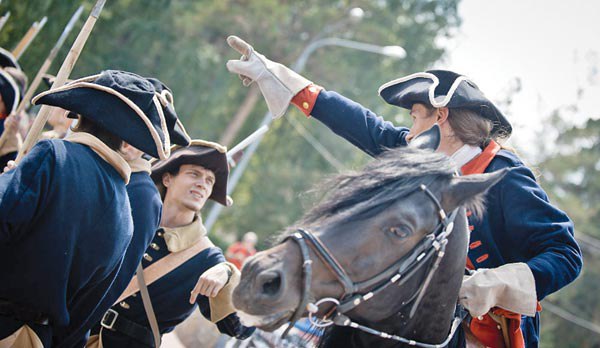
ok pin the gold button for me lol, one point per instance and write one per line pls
(312, 89)
(499, 327)
(124, 304)
(154, 246)
(147, 257)
(305, 105)
(160, 233)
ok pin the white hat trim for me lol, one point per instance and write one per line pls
(437, 103)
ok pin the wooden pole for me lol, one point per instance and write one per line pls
(24, 104)
(63, 74)
(4, 19)
(28, 38)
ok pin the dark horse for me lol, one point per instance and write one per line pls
(368, 222)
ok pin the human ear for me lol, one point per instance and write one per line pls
(442, 115)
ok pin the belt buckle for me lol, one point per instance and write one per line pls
(109, 319)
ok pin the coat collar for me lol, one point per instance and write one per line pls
(140, 165)
(112, 157)
(478, 164)
(181, 238)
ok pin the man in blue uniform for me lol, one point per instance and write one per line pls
(65, 217)
(523, 245)
(146, 208)
(186, 181)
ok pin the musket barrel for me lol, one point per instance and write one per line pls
(24, 104)
(62, 76)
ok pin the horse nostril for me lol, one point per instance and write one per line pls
(270, 283)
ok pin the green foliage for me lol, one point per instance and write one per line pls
(183, 43)
(570, 174)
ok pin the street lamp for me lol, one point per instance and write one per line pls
(298, 66)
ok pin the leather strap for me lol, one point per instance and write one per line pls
(165, 265)
(120, 324)
(148, 305)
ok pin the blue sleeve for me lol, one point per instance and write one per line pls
(358, 125)
(550, 248)
(24, 191)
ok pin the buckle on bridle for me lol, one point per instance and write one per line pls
(109, 319)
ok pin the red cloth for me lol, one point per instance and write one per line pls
(486, 330)
(240, 254)
(305, 99)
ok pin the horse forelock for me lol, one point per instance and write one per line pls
(391, 176)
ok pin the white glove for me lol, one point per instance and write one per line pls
(510, 287)
(278, 83)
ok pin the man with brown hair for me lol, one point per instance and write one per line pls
(190, 177)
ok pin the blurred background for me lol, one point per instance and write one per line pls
(538, 60)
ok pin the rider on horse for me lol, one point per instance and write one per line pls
(521, 250)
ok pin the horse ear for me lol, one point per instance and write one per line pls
(468, 190)
(427, 140)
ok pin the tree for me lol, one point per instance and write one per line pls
(183, 44)
(570, 174)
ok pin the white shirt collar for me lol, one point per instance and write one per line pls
(465, 154)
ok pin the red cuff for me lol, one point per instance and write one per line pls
(305, 99)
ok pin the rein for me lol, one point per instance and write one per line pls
(431, 247)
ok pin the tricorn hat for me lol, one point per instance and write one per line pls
(443, 88)
(7, 59)
(124, 103)
(177, 132)
(207, 154)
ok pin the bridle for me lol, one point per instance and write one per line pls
(431, 247)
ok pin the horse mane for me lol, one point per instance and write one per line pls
(394, 174)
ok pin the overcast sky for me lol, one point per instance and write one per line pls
(552, 46)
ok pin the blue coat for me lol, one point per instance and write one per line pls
(146, 208)
(170, 297)
(520, 224)
(64, 226)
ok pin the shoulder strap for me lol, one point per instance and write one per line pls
(165, 265)
(148, 305)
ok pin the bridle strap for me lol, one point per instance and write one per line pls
(330, 261)
(306, 279)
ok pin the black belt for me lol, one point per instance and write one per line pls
(22, 313)
(114, 322)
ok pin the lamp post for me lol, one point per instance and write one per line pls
(298, 66)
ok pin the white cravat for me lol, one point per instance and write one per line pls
(465, 154)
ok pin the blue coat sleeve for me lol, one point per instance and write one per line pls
(24, 191)
(547, 233)
(358, 125)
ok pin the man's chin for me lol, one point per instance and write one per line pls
(195, 206)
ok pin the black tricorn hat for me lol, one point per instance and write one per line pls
(207, 154)
(443, 88)
(7, 59)
(124, 103)
(10, 91)
(177, 132)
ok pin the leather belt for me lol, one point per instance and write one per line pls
(114, 322)
(22, 313)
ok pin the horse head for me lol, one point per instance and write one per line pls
(371, 222)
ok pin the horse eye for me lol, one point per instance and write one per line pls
(399, 232)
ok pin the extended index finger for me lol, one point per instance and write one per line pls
(239, 45)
